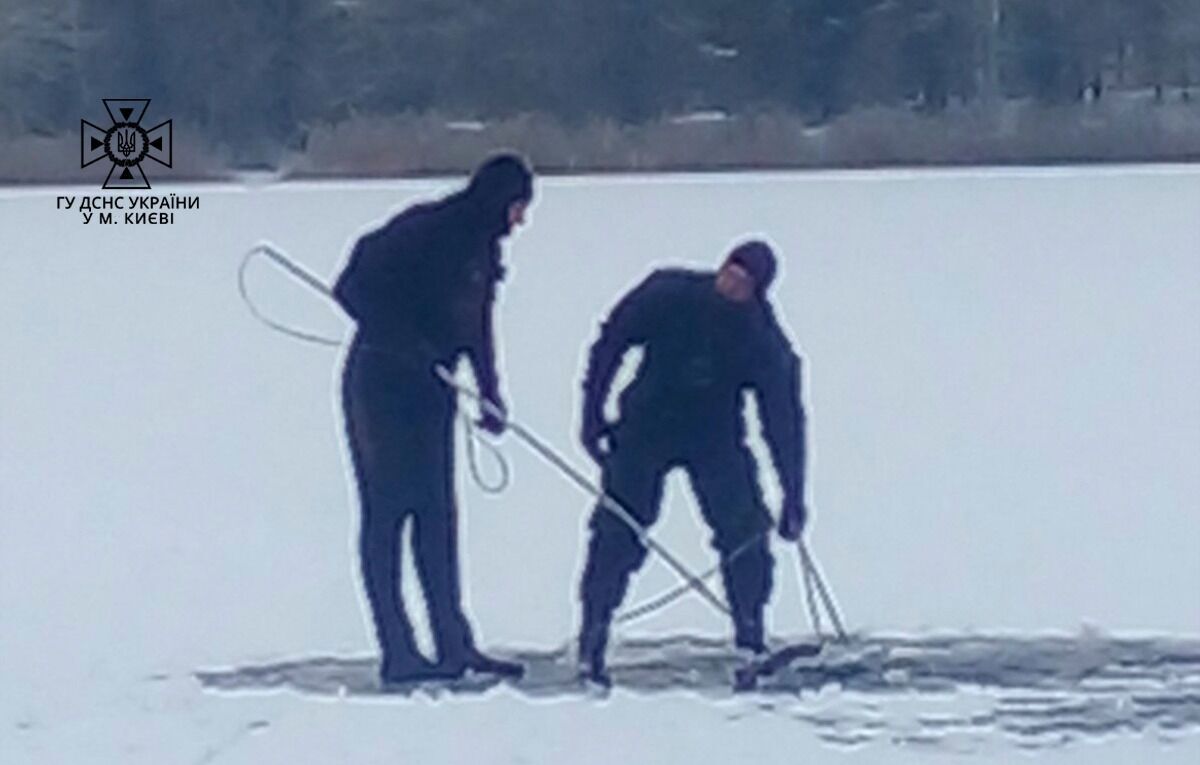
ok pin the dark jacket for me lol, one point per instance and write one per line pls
(423, 286)
(701, 351)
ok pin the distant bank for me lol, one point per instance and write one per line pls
(1129, 127)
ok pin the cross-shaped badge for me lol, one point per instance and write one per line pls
(126, 143)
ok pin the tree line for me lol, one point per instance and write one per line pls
(254, 76)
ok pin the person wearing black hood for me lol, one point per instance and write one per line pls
(706, 337)
(421, 290)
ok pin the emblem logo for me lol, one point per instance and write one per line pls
(125, 143)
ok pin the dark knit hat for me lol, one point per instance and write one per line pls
(758, 259)
(502, 180)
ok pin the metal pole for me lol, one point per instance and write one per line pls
(606, 500)
(535, 443)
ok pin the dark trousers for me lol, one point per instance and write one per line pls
(724, 478)
(399, 423)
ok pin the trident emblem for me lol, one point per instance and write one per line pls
(125, 144)
(126, 141)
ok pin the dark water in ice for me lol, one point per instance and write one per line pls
(950, 691)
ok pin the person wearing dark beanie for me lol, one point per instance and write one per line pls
(758, 259)
(707, 337)
(421, 290)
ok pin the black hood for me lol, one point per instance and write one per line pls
(500, 181)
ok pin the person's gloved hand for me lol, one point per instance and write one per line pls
(597, 438)
(792, 519)
(492, 421)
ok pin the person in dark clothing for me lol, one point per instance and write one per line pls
(706, 338)
(421, 290)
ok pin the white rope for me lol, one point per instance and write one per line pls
(659, 602)
(474, 441)
(810, 567)
(814, 612)
(266, 249)
(298, 272)
(607, 501)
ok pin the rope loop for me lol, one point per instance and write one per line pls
(269, 251)
(475, 440)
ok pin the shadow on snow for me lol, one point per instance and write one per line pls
(1036, 691)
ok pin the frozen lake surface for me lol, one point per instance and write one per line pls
(1001, 370)
(947, 692)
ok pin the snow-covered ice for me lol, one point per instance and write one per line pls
(946, 693)
(1001, 377)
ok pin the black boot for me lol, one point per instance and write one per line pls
(400, 667)
(477, 661)
(471, 658)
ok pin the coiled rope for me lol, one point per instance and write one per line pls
(473, 437)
